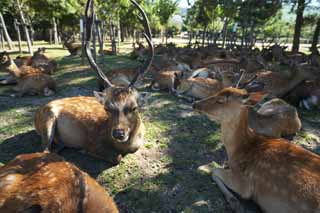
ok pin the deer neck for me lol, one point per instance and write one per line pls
(13, 69)
(235, 133)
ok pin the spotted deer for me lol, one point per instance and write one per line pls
(45, 182)
(199, 88)
(42, 62)
(107, 126)
(279, 84)
(73, 47)
(275, 118)
(29, 80)
(278, 175)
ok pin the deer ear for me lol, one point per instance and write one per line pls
(100, 97)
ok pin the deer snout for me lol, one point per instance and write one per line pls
(120, 135)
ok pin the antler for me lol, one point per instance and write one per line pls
(241, 77)
(148, 37)
(89, 21)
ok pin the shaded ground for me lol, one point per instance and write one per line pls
(160, 177)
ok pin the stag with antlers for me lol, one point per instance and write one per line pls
(107, 126)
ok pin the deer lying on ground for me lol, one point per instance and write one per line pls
(275, 118)
(166, 80)
(29, 80)
(23, 61)
(199, 88)
(278, 175)
(278, 84)
(42, 62)
(73, 47)
(43, 182)
(305, 95)
(107, 126)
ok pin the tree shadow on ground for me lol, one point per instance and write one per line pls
(30, 142)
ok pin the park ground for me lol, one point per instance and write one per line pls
(162, 176)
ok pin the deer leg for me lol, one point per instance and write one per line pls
(225, 181)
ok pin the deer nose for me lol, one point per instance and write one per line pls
(118, 134)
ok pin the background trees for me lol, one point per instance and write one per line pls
(222, 20)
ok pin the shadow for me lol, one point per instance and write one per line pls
(194, 141)
(30, 142)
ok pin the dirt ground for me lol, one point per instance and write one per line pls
(162, 176)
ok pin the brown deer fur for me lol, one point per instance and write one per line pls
(91, 123)
(73, 48)
(43, 182)
(29, 80)
(42, 62)
(275, 118)
(120, 77)
(166, 80)
(204, 87)
(278, 175)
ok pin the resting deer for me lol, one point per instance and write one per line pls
(278, 175)
(278, 84)
(107, 126)
(166, 80)
(73, 48)
(43, 182)
(275, 118)
(200, 88)
(42, 62)
(29, 80)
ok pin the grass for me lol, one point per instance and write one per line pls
(162, 176)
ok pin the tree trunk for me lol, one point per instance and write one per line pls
(23, 21)
(204, 35)
(17, 27)
(6, 34)
(55, 31)
(2, 39)
(225, 28)
(315, 38)
(112, 38)
(119, 33)
(50, 36)
(298, 26)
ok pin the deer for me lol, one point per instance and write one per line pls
(199, 87)
(278, 175)
(73, 48)
(278, 84)
(29, 80)
(45, 182)
(275, 118)
(166, 80)
(42, 62)
(107, 126)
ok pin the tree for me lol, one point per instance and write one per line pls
(3, 6)
(24, 24)
(164, 10)
(298, 25)
(315, 38)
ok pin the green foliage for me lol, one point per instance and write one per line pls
(165, 9)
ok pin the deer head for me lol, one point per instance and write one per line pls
(121, 103)
(225, 105)
(4, 59)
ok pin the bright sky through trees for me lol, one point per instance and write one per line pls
(184, 3)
